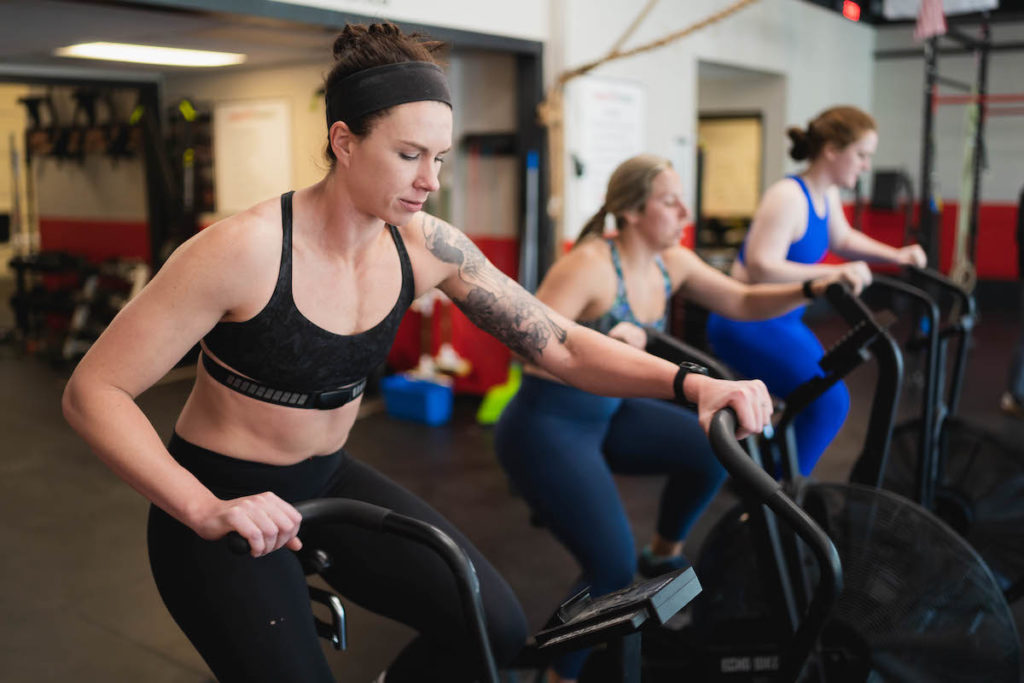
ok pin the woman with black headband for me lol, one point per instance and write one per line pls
(295, 301)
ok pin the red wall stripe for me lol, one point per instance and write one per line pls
(94, 239)
(996, 249)
(98, 240)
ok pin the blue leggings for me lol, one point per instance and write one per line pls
(560, 445)
(784, 353)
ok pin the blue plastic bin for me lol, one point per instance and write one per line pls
(416, 399)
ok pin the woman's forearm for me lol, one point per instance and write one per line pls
(858, 246)
(763, 301)
(786, 271)
(598, 364)
(110, 421)
(601, 365)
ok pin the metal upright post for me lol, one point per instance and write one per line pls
(981, 49)
(927, 226)
(537, 242)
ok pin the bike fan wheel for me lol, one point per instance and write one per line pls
(980, 491)
(920, 598)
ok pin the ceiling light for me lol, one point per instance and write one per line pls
(150, 54)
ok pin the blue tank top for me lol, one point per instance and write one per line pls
(811, 247)
(281, 347)
(620, 310)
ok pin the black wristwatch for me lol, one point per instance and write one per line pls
(685, 368)
(808, 289)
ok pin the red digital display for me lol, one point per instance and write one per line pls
(851, 10)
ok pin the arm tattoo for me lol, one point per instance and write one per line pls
(519, 322)
(494, 303)
(451, 246)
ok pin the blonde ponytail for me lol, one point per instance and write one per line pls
(628, 190)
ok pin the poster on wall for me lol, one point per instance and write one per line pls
(609, 118)
(251, 151)
(733, 149)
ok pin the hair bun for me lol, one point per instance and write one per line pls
(375, 41)
(385, 29)
(801, 148)
(351, 35)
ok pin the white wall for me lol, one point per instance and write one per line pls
(527, 19)
(899, 101)
(95, 187)
(825, 59)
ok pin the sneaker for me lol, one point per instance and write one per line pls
(1011, 406)
(650, 565)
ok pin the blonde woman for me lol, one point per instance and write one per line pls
(560, 444)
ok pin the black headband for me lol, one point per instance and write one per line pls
(385, 86)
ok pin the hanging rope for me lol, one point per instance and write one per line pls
(632, 27)
(661, 42)
(551, 114)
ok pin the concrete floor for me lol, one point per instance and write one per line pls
(78, 602)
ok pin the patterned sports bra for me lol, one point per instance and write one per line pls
(620, 310)
(289, 360)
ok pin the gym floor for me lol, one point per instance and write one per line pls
(78, 602)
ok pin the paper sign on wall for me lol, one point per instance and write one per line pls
(252, 152)
(732, 148)
(609, 118)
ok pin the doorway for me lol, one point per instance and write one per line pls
(741, 146)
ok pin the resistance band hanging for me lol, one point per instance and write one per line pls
(963, 271)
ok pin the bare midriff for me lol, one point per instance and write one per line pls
(224, 421)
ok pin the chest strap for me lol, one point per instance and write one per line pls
(315, 400)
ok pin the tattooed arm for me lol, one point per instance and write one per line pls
(492, 300)
(577, 355)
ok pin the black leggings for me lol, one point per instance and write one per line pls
(250, 618)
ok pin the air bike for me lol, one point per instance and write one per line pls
(615, 621)
(970, 478)
(916, 602)
(614, 624)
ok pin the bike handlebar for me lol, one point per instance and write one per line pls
(722, 435)
(379, 519)
(968, 308)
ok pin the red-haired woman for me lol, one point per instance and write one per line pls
(799, 218)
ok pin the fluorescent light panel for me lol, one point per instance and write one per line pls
(150, 54)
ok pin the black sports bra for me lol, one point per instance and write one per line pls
(289, 360)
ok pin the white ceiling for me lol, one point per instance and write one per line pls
(31, 29)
